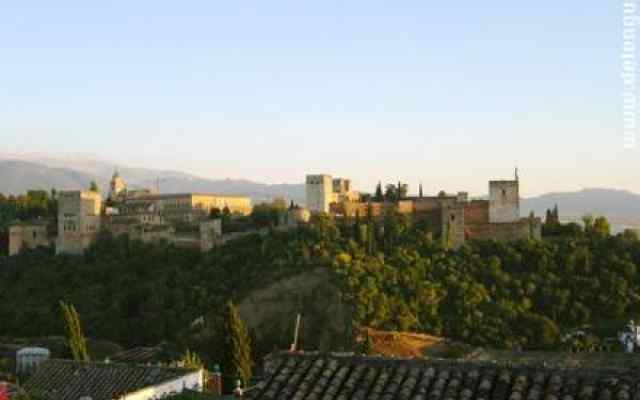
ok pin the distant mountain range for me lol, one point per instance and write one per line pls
(621, 207)
(19, 173)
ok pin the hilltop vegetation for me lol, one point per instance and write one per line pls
(390, 274)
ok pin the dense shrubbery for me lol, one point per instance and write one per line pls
(393, 276)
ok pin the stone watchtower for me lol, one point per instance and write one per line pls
(319, 191)
(504, 201)
(78, 220)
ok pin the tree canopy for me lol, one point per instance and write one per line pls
(392, 273)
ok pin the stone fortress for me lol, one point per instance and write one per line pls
(184, 218)
(454, 216)
(179, 218)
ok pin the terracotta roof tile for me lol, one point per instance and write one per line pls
(332, 377)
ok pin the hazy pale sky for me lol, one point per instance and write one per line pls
(452, 93)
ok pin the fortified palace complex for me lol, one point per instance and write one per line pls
(455, 216)
(179, 218)
(184, 218)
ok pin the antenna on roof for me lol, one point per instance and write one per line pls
(296, 335)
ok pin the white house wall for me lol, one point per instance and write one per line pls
(192, 381)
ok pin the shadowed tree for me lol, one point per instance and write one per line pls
(237, 345)
(190, 360)
(94, 187)
(379, 195)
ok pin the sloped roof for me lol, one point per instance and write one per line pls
(65, 379)
(140, 355)
(333, 377)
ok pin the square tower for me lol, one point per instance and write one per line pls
(504, 201)
(319, 192)
(78, 220)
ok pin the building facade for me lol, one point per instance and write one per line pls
(190, 207)
(323, 190)
(504, 201)
(79, 220)
(179, 218)
(453, 216)
(29, 235)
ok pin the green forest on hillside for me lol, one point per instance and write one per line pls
(393, 274)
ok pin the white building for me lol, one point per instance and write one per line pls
(323, 190)
(30, 357)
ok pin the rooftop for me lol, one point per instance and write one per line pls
(32, 222)
(182, 195)
(329, 377)
(139, 355)
(65, 379)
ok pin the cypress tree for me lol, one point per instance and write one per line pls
(379, 195)
(93, 186)
(548, 217)
(75, 337)
(371, 228)
(237, 345)
(357, 230)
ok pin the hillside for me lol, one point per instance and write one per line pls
(621, 207)
(19, 176)
(521, 295)
(610, 202)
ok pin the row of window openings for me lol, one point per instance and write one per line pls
(74, 228)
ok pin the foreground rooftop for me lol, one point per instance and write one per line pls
(73, 380)
(336, 377)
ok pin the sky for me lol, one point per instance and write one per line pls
(450, 94)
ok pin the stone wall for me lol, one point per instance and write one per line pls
(476, 212)
(78, 220)
(210, 234)
(352, 209)
(504, 202)
(524, 228)
(453, 226)
(319, 193)
(29, 235)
